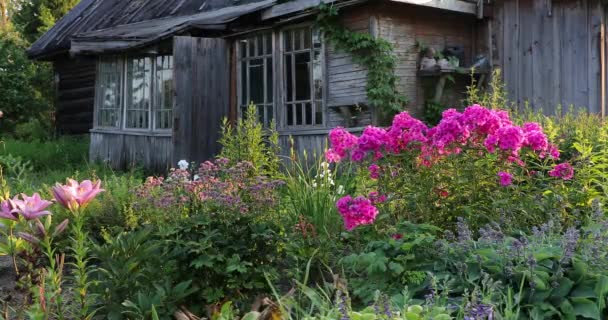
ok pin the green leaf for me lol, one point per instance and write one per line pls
(564, 287)
(396, 267)
(585, 308)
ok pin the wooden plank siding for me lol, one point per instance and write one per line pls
(75, 94)
(202, 96)
(550, 56)
(121, 150)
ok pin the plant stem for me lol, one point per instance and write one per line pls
(13, 254)
(80, 250)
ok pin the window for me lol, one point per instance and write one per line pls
(164, 92)
(148, 93)
(109, 93)
(303, 77)
(257, 77)
(138, 90)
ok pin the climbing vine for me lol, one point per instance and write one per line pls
(375, 54)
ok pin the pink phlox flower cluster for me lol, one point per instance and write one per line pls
(357, 211)
(506, 179)
(562, 170)
(342, 143)
(404, 131)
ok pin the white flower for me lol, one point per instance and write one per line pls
(183, 165)
(196, 177)
(314, 184)
(340, 189)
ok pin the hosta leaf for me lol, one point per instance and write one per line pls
(564, 287)
(585, 308)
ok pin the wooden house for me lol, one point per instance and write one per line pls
(151, 80)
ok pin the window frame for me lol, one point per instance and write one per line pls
(96, 103)
(123, 61)
(283, 84)
(239, 69)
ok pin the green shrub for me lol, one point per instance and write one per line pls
(248, 140)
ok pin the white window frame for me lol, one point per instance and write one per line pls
(154, 104)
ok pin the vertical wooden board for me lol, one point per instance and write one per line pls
(211, 80)
(498, 36)
(526, 47)
(540, 74)
(543, 60)
(568, 61)
(595, 11)
(556, 83)
(581, 55)
(182, 73)
(511, 48)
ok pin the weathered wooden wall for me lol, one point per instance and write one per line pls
(346, 80)
(122, 150)
(549, 52)
(202, 96)
(406, 25)
(75, 94)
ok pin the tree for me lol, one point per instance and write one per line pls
(25, 85)
(35, 17)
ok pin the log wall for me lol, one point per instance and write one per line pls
(75, 94)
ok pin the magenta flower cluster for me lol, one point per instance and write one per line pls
(357, 211)
(475, 128)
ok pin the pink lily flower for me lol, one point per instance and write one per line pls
(31, 207)
(7, 210)
(74, 195)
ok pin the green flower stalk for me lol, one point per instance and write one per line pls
(75, 197)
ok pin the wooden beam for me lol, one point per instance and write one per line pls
(291, 7)
(451, 5)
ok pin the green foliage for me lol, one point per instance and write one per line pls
(132, 275)
(391, 260)
(35, 17)
(225, 257)
(25, 86)
(375, 54)
(67, 153)
(248, 140)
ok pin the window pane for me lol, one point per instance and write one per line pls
(244, 97)
(109, 93)
(138, 93)
(290, 114)
(308, 113)
(306, 38)
(164, 92)
(269, 80)
(302, 76)
(256, 80)
(289, 78)
(287, 36)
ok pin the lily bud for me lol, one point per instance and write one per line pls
(60, 228)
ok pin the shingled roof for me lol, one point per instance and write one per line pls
(92, 15)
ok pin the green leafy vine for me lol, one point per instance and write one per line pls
(375, 54)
